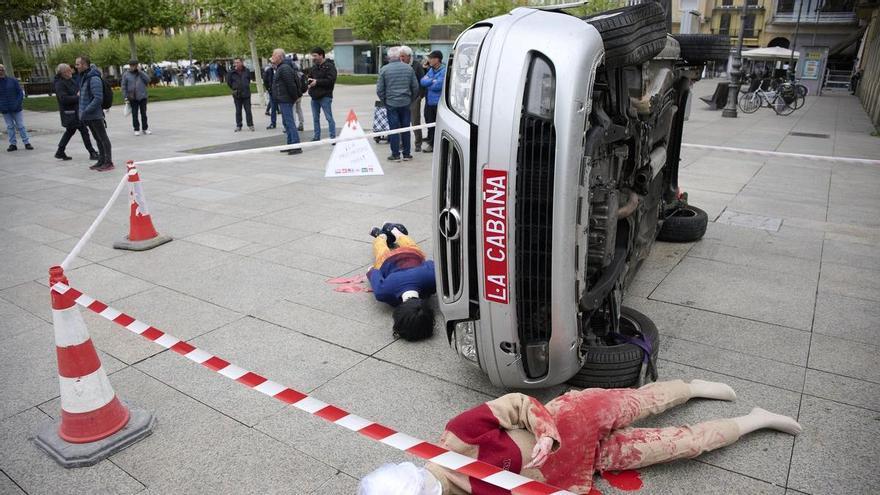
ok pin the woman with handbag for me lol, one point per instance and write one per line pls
(67, 92)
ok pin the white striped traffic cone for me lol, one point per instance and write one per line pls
(142, 234)
(94, 422)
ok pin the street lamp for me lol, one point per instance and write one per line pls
(735, 65)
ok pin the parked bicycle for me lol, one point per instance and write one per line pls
(784, 99)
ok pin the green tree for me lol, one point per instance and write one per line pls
(594, 7)
(125, 17)
(23, 60)
(249, 17)
(388, 21)
(66, 53)
(211, 45)
(298, 29)
(12, 11)
(468, 13)
(110, 51)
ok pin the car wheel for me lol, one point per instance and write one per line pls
(631, 35)
(684, 224)
(618, 366)
(697, 49)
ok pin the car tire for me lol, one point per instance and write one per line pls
(618, 366)
(631, 35)
(686, 224)
(698, 49)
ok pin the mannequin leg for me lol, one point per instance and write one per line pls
(380, 251)
(632, 448)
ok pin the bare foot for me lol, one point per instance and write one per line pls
(776, 421)
(712, 390)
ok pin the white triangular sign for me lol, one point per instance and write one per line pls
(355, 157)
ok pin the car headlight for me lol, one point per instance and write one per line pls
(464, 340)
(541, 93)
(461, 73)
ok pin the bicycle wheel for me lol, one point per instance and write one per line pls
(750, 103)
(781, 107)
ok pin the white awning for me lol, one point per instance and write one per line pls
(771, 53)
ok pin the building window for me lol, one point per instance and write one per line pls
(340, 9)
(727, 3)
(785, 7)
(60, 22)
(429, 7)
(749, 26)
(838, 6)
(724, 26)
(100, 36)
(64, 37)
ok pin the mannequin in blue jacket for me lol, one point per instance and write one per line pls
(403, 278)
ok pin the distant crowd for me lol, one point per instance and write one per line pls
(406, 89)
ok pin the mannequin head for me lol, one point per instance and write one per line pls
(399, 479)
(413, 319)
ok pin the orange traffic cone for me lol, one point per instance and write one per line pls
(94, 422)
(142, 235)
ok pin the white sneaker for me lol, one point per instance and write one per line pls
(137, 133)
(148, 132)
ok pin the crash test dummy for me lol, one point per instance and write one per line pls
(565, 442)
(404, 278)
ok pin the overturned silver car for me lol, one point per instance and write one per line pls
(555, 169)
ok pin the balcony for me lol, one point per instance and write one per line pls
(731, 6)
(815, 12)
(750, 34)
(815, 17)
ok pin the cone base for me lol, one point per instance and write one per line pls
(71, 455)
(141, 245)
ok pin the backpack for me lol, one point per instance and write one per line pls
(107, 102)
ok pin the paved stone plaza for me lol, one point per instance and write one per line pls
(780, 300)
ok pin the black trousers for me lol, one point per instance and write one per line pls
(430, 118)
(139, 105)
(99, 130)
(70, 131)
(246, 103)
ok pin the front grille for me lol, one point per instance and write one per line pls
(450, 222)
(535, 166)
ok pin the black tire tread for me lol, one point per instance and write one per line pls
(698, 49)
(684, 229)
(634, 36)
(617, 366)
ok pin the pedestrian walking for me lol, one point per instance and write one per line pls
(11, 101)
(271, 105)
(397, 87)
(239, 80)
(67, 93)
(432, 81)
(286, 89)
(406, 56)
(134, 89)
(321, 82)
(91, 111)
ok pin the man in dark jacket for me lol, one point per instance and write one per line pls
(406, 56)
(271, 106)
(321, 81)
(134, 90)
(396, 88)
(11, 99)
(91, 95)
(286, 90)
(239, 80)
(67, 92)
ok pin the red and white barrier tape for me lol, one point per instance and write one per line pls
(517, 484)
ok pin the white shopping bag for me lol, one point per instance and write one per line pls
(126, 110)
